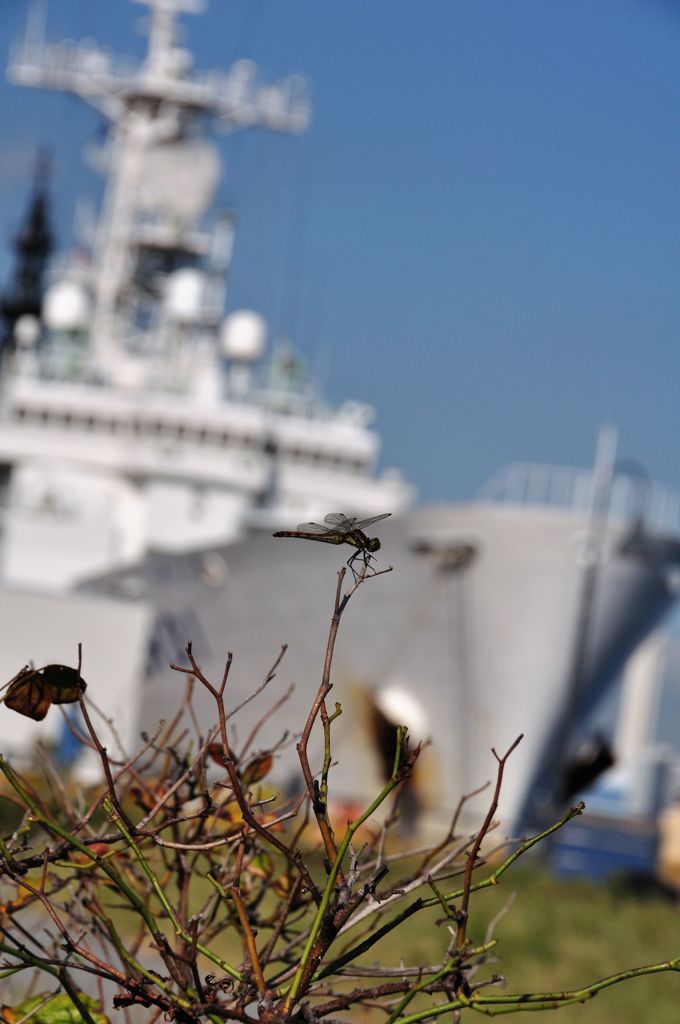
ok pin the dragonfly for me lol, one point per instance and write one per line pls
(341, 529)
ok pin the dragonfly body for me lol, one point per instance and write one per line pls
(340, 529)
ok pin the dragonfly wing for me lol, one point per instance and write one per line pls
(313, 528)
(339, 521)
(362, 524)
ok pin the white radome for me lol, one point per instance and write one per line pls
(27, 331)
(184, 295)
(66, 307)
(244, 336)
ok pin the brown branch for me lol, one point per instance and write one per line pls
(105, 969)
(282, 918)
(265, 718)
(104, 758)
(358, 995)
(320, 810)
(293, 856)
(235, 894)
(265, 682)
(479, 839)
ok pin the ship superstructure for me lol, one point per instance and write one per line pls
(136, 416)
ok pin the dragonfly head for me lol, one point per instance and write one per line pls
(373, 544)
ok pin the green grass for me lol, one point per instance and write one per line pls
(563, 934)
(559, 934)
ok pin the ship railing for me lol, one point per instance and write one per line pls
(31, 60)
(631, 497)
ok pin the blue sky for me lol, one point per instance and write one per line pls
(479, 235)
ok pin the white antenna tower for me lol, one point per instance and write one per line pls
(163, 30)
(152, 111)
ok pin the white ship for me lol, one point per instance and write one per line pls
(137, 417)
(148, 450)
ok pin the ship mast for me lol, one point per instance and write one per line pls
(32, 245)
(163, 30)
(156, 105)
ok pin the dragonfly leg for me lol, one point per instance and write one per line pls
(350, 564)
(367, 558)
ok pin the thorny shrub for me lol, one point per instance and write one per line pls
(165, 895)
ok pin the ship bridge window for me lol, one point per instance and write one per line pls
(197, 434)
(70, 419)
(173, 431)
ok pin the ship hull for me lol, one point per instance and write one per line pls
(525, 637)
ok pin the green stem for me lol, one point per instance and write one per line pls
(57, 973)
(140, 970)
(493, 879)
(333, 874)
(54, 827)
(450, 966)
(418, 987)
(441, 900)
(539, 1000)
(158, 889)
(421, 902)
(9, 972)
(327, 721)
(367, 943)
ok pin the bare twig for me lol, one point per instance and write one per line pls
(479, 839)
